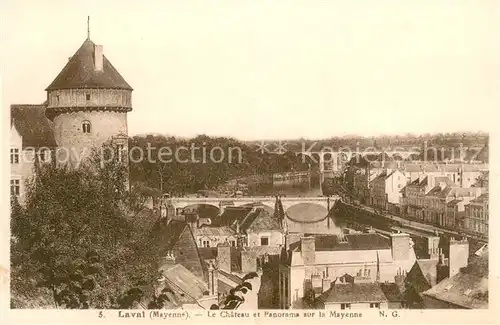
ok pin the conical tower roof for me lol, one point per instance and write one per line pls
(80, 72)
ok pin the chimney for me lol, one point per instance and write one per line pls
(400, 246)
(442, 185)
(326, 284)
(213, 280)
(433, 247)
(399, 278)
(248, 261)
(316, 281)
(459, 255)
(308, 249)
(224, 257)
(98, 58)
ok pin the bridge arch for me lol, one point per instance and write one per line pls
(306, 208)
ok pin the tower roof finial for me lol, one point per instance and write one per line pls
(88, 27)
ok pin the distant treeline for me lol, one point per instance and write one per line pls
(467, 139)
(220, 159)
(197, 170)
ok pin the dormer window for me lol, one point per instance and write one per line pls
(86, 127)
(87, 96)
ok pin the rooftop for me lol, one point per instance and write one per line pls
(188, 287)
(353, 293)
(259, 220)
(468, 288)
(33, 126)
(214, 231)
(231, 214)
(80, 72)
(352, 242)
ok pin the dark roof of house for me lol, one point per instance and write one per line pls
(440, 192)
(353, 293)
(307, 212)
(429, 269)
(384, 175)
(416, 279)
(259, 205)
(468, 288)
(352, 242)
(391, 292)
(230, 215)
(168, 233)
(259, 220)
(80, 72)
(33, 126)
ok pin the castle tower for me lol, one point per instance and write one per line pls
(88, 104)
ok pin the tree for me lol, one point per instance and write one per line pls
(139, 194)
(72, 240)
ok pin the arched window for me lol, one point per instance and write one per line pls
(86, 127)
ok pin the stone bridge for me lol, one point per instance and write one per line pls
(331, 162)
(180, 203)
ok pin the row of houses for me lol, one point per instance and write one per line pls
(447, 195)
(303, 260)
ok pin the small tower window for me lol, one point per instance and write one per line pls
(86, 127)
(87, 96)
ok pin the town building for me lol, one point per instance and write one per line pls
(367, 258)
(438, 198)
(86, 107)
(462, 175)
(386, 189)
(231, 266)
(199, 277)
(190, 291)
(476, 218)
(242, 227)
(466, 287)
(175, 239)
(32, 141)
(413, 197)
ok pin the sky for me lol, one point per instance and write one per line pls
(271, 69)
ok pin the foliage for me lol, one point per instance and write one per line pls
(72, 238)
(186, 171)
(139, 194)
